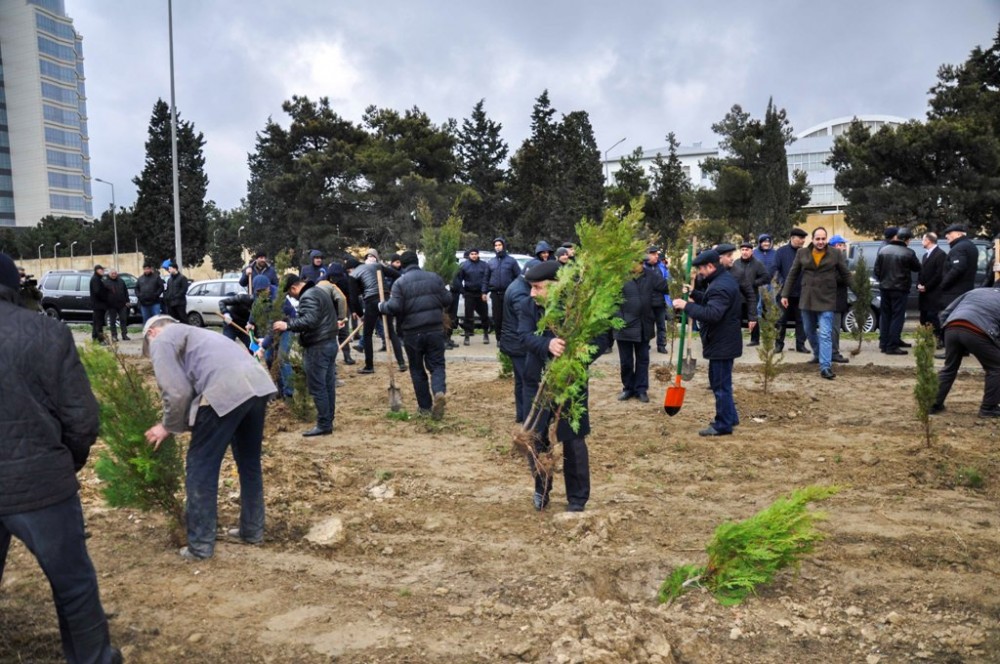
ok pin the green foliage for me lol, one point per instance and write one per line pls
(301, 404)
(398, 416)
(581, 304)
(440, 242)
(861, 284)
(925, 391)
(154, 203)
(133, 474)
(482, 154)
(743, 555)
(670, 194)
(630, 181)
(770, 361)
(506, 370)
(224, 237)
(971, 477)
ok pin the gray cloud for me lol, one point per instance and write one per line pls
(640, 68)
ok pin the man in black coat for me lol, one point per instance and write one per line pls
(751, 274)
(98, 303)
(894, 268)
(633, 338)
(784, 258)
(474, 277)
(175, 295)
(418, 301)
(117, 300)
(717, 309)
(48, 423)
(317, 326)
(510, 343)
(149, 290)
(959, 274)
(929, 285)
(503, 270)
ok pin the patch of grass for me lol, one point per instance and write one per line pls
(970, 477)
(838, 458)
(405, 592)
(647, 448)
(398, 416)
(383, 475)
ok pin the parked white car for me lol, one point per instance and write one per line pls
(203, 300)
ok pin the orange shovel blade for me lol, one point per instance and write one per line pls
(674, 398)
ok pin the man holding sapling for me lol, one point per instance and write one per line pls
(220, 392)
(717, 310)
(539, 348)
(48, 423)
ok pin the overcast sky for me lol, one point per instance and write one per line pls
(639, 68)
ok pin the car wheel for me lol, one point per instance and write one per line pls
(194, 318)
(851, 324)
(52, 312)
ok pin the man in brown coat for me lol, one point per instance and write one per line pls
(822, 270)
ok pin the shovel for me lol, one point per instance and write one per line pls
(357, 328)
(687, 368)
(254, 346)
(395, 396)
(674, 398)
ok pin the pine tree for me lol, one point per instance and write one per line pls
(154, 205)
(861, 284)
(670, 192)
(482, 153)
(925, 391)
(770, 359)
(630, 181)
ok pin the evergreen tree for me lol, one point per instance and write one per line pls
(630, 181)
(670, 193)
(224, 237)
(770, 197)
(154, 206)
(481, 156)
(533, 175)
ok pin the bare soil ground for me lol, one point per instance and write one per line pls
(443, 559)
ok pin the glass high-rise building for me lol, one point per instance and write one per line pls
(44, 156)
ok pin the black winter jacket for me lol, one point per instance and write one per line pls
(717, 311)
(117, 293)
(475, 276)
(238, 306)
(98, 295)
(959, 270)
(750, 275)
(931, 272)
(366, 276)
(784, 258)
(317, 318)
(894, 266)
(503, 270)
(637, 308)
(518, 291)
(418, 301)
(176, 292)
(48, 414)
(149, 289)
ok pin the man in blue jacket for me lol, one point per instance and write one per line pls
(510, 344)
(784, 258)
(717, 310)
(503, 269)
(474, 277)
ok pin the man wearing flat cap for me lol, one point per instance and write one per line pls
(418, 301)
(717, 310)
(539, 347)
(654, 264)
(784, 258)
(960, 265)
(750, 274)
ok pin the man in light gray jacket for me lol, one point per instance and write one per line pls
(219, 391)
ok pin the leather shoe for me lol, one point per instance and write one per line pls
(801, 349)
(905, 344)
(366, 370)
(840, 359)
(126, 337)
(643, 397)
(466, 342)
(348, 360)
(753, 343)
(316, 431)
(936, 408)
(661, 349)
(813, 360)
(625, 395)
(712, 431)
(896, 351)
(989, 411)
(939, 356)
(828, 374)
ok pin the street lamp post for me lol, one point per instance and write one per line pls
(55, 253)
(114, 220)
(607, 166)
(91, 252)
(40, 258)
(71, 245)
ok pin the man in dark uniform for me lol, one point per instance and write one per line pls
(784, 258)
(929, 285)
(98, 303)
(717, 310)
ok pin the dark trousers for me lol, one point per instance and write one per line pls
(496, 299)
(453, 312)
(890, 320)
(720, 379)
(342, 335)
(55, 536)
(425, 351)
(959, 342)
(372, 316)
(933, 318)
(178, 311)
(243, 430)
(118, 318)
(231, 332)
(474, 305)
(761, 303)
(320, 363)
(97, 324)
(521, 405)
(791, 312)
(633, 357)
(660, 318)
(576, 472)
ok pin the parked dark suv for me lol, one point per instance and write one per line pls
(66, 294)
(870, 252)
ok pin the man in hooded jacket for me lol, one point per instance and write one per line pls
(503, 269)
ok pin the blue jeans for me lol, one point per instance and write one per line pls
(54, 534)
(720, 379)
(891, 317)
(320, 362)
(823, 350)
(425, 350)
(148, 311)
(633, 357)
(243, 430)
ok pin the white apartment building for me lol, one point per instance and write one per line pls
(44, 156)
(808, 153)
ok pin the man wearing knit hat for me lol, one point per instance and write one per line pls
(418, 301)
(48, 423)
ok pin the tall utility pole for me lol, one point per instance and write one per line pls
(173, 144)
(55, 253)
